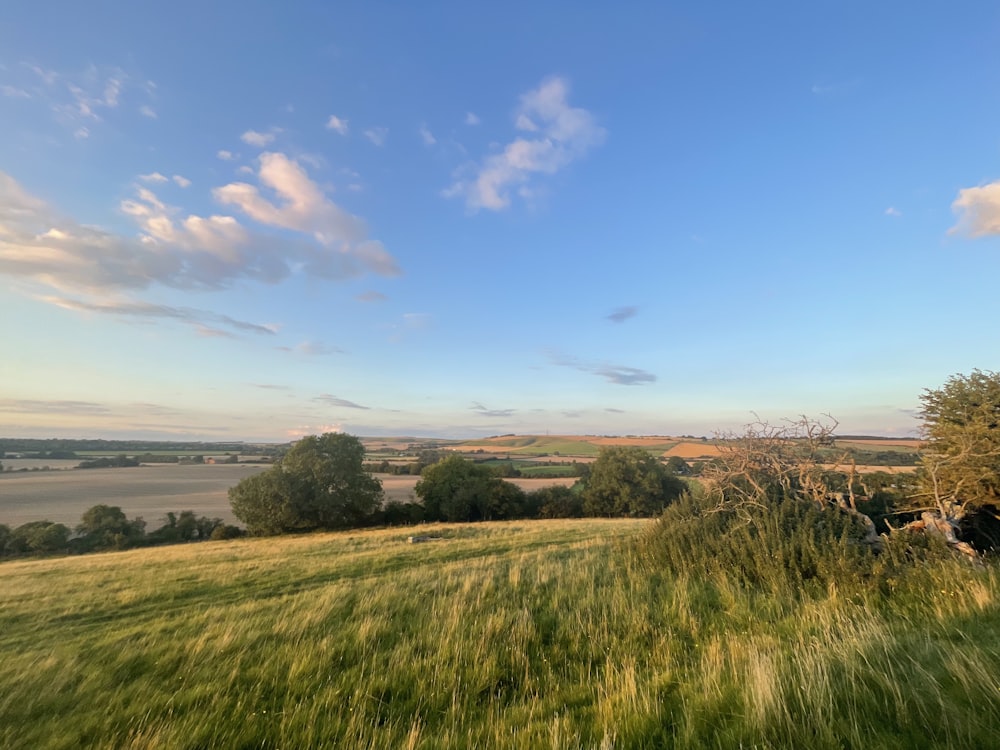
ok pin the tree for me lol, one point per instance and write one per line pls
(321, 483)
(960, 467)
(106, 527)
(628, 481)
(455, 489)
(38, 536)
(557, 502)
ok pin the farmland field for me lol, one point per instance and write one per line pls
(147, 491)
(152, 491)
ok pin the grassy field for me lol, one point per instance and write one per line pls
(533, 634)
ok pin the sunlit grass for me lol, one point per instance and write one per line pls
(530, 634)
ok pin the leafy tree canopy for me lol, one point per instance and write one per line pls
(321, 483)
(628, 481)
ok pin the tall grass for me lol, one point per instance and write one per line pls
(535, 634)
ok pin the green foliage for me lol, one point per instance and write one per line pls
(628, 481)
(557, 502)
(38, 537)
(962, 427)
(456, 489)
(321, 483)
(787, 546)
(117, 462)
(105, 527)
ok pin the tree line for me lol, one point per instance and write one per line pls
(106, 527)
(792, 471)
(324, 483)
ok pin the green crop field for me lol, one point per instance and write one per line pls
(554, 634)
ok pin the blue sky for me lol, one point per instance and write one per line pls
(247, 221)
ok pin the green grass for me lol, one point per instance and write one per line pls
(528, 470)
(530, 634)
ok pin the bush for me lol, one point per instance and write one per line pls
(790, 545)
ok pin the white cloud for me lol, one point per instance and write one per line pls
(244, 169)
(427, 136)
(377, 135)
(81, 99)
(893, 212)
(471, 118)
(181, 250)
(181, 181)
(254, 138)
(337, 124)
(154, 177)
(225, 155)
(305, 208)
(559, 134)
(979, 211)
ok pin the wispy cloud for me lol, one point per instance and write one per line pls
(224, 155)
(377, 135)
(621, 314)
(153, 177)
(612, 410)
(14, 92)
(617, 374)
(330, 400)
(181, 181)
(80, 100)
(978, 210)
(30, 406)
(337, 124)
(371, 296)
(312, 349)
(146, 111)
(256, 138)
(554, 135)
(203, 319)
(494, 413)
(893, 212)
(471, 118)
(624, 375)
(427, 136)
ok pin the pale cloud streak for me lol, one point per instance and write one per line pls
(492, 413)
(427, 136)
(617, 374)
(471, 118)
(978, 210)
(203, 320)
(621, 314)
(337, 124)
(554, 134)
(80, 100)
(256, 138)
(377, 135)
(330, 400)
